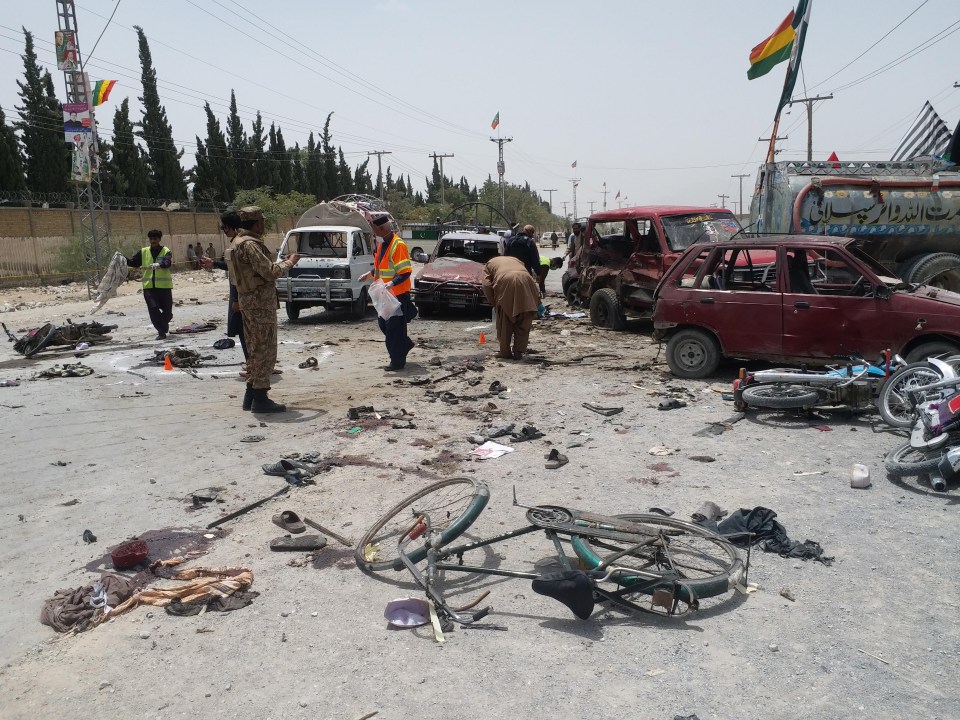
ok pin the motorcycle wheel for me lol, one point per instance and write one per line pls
(40, 340)
(911, 461)
(894, 404)
(780, 397)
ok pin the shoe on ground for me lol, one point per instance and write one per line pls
(161, 336)
(393, 368)
(555, 460)
(262, 404)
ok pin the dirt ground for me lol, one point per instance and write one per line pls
(120, 452)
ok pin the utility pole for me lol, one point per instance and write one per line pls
(94, 232)
(591, 203)
(809, 103)
(575, 181)
(564, 203)
(501, 168)
(379, 153)
(551, 191)
(723, 200)
(741, 177)
(604, 196)
(779, 137)
(440, 158)
(621, 201)
(735, 206)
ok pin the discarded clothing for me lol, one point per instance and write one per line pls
(751, 527)
(71, 610)
(66, 370)
(239, 599)
(207, 584)
(181, 357)
(194, 328)
(114, 276)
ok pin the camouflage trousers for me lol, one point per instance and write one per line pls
(260, 332)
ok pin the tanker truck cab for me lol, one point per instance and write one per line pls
(332, 259)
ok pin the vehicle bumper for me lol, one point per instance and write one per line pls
(453, 301)
(326, 291)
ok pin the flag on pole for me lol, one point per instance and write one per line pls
(929, 135)
(101, 91)
(800, 23)
(496, 120)
(574, 164)
(773, 50)
(575, 184)
(618, 195)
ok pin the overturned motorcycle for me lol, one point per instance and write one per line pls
(50, 335)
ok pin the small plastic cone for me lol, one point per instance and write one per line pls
(167, 365)
(483, 338)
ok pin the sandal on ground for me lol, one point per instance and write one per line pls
(555, 460)
(301, 544)
(285, 467)
(289, 521)
(310, 362)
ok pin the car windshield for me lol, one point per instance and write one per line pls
(318, 244)
(682, 231)
(470, 249)
(879, 270)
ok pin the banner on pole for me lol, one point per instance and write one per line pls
(76, 120)
(65, 42)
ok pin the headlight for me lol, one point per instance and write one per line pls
(339, 274)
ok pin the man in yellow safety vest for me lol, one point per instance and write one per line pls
(155, 259)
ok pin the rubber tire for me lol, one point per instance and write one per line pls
(701, 587)
(481, 494)
(293, 311)
(570, 286)
(358, 309)
(924, 350)
(691, 339)
(895, 382)
(898, 467)
(40, 341)
(793, 396)
(606, 311)
(923, 267)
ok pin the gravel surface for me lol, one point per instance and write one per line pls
(120, 452)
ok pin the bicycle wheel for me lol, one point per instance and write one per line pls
(452, 505)
(908, 460)
(701, 562)
(780, 397)
(894, 403)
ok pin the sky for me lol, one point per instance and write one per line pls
(650, 99)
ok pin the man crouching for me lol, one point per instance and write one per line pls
(512, 291)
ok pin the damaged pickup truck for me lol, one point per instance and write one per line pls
(627, 251)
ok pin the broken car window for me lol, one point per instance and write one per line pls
(682, 231)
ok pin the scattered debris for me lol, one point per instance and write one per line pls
(788, 594)
(600, 410)
(859, 476)
(555, 460)
(702, 458)
(89, 537)
(490, 450)
(662, 450)
(252, 438)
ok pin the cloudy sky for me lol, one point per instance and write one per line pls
(650, 98)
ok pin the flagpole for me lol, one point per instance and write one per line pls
(771, 150)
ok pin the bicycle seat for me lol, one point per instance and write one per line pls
(574, 588)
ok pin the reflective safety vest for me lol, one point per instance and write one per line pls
(161, 278)
(392, 259)
(544, 260)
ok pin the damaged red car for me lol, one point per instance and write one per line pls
(795, 299)
(451, 278)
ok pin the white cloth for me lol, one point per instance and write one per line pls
(114, 277)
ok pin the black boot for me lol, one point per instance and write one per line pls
(263, 404)
(248, 397)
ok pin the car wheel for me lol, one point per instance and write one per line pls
(359, 307)
(693, 354)
(924, 350)
(605, 310)
(293, 312)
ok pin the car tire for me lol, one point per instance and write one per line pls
(943, 268)
(693, 354)
(570, 286)
(605, 310)
(293, 312)
(359, 306)
(924, 350)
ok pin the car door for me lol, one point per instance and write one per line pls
(730, 298)
(829, 311)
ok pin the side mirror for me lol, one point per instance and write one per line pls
(420, 257)
(882, 292)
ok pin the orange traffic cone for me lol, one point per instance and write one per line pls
(483, 338)
(167, 365)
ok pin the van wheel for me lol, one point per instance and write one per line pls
(693, 354)
(293, 312)
(605, 310)
(940, 270)
(359, 307)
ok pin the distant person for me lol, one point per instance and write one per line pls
(575, 241)
(155, 259)
(543, 269)
(211, 251)
(512, 291)
(554, 240)
(523, 247)
(192, 257)
(198, 251)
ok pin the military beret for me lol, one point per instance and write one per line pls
(250, 212)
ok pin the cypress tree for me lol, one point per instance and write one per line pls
(214, 177)
(257, 167)
(282, 160)
(237, 145)
(362, 182)
(346, 176)
(298, 174)
(126, 169)
(46, 157)
(11, 166)
(167, 175)
(331, 178)
(314, 170)
(409, 187)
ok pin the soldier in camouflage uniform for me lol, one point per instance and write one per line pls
(255, 275)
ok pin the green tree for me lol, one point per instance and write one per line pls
(126, 169)
(46, 157)
(258, 165)
(11, 166)
(298, 173)
(362, 182)
(345, 182)
(314, 170)
(331, 178)
(167, 175)
(237, 145)
(275, 205)
(214, 175)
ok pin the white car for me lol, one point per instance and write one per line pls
(546, 240)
